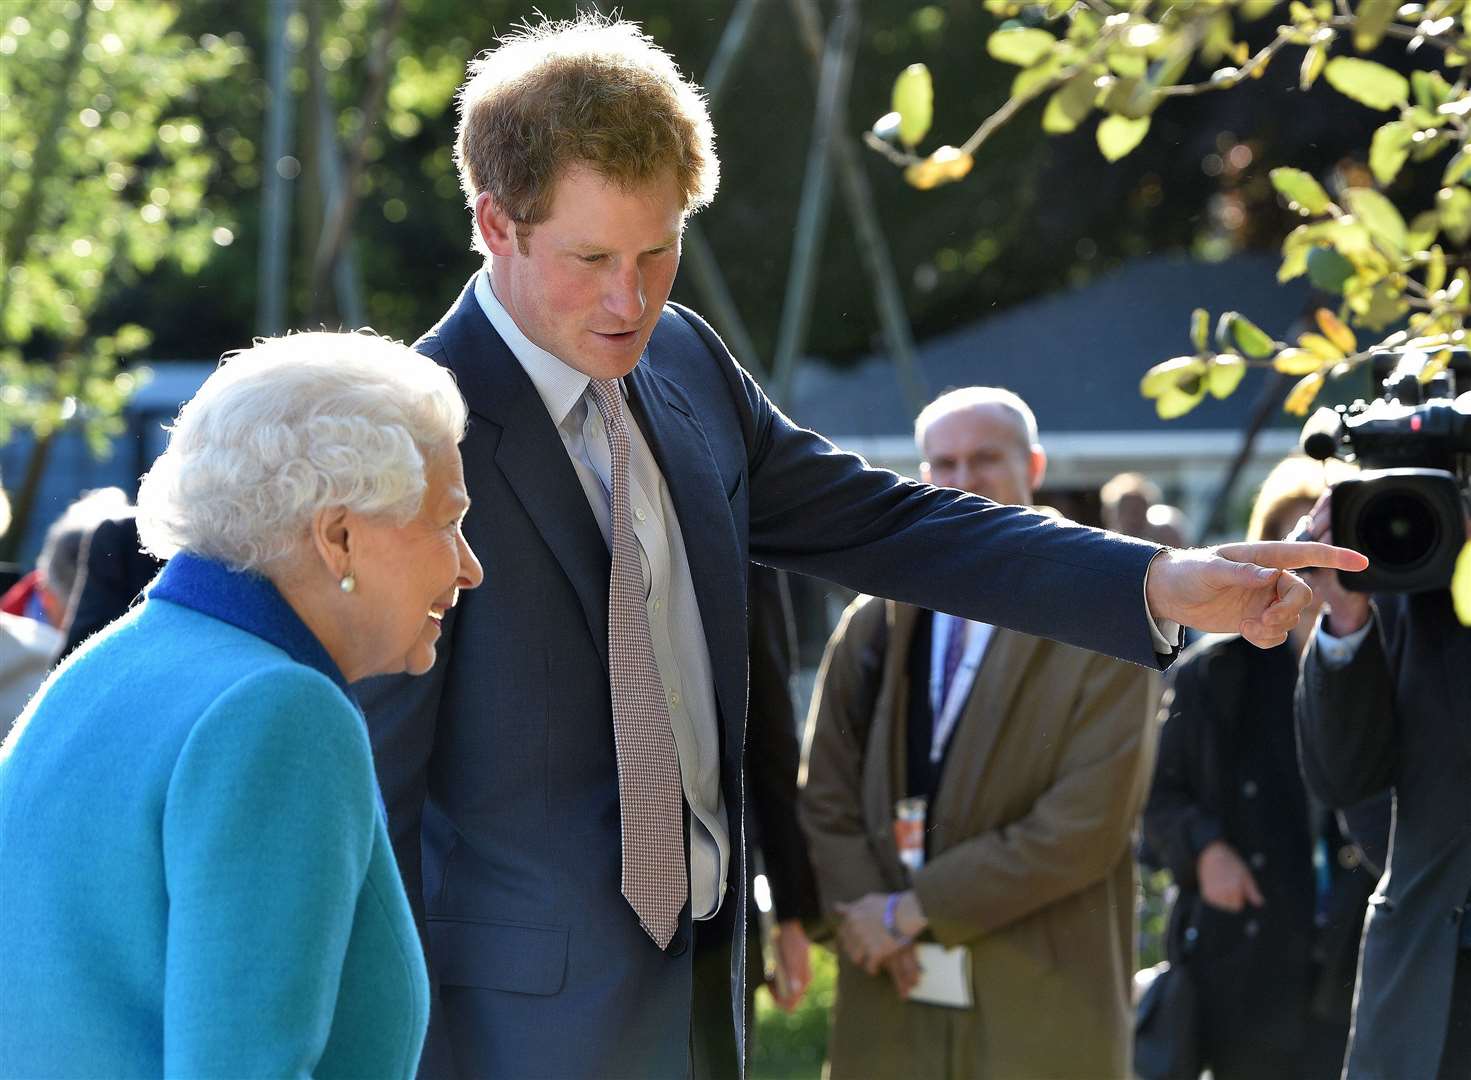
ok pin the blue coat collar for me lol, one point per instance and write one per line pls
(247, 601)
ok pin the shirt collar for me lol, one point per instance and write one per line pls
(247, 601)
(560, 385)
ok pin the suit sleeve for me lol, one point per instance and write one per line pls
(1073, 835)
(817, 510)
(772, 750)
(267, 833)
(831, 803)
(1346, 723)
(403, 713)
(1178, 820)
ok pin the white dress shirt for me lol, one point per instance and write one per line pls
(684, 656)
(945, 706)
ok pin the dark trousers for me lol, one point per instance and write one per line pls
(712, 1026)
(1455, 1057)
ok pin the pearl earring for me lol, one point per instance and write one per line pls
(348, 583)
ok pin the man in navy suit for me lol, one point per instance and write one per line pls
(587, 712)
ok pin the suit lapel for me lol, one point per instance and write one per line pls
(679, 446)
(1006, 662)
(526, 449)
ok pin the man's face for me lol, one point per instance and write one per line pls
(593, 277)
(982, 449)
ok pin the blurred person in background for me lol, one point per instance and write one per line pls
(1384, 706)
(213, 892)
(111, 573)
(1270, 896)
(27, 649)
(1124, 503)
(49, 591)
(1032, 759)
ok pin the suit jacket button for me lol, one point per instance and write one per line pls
(1258, 860)
(1249, 789)
(1252, 928)
(678, 943)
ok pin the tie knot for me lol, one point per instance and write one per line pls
(607, 393)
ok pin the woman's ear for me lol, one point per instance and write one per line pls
(332, 538)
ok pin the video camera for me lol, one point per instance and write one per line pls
(1406, 508)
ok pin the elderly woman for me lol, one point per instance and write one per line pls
(195, 872)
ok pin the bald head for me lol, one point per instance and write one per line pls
(981, 439)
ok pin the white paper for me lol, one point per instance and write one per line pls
(944, 976)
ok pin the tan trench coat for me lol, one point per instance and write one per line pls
(1030, 862)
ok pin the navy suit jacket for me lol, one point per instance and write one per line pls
(498, 766)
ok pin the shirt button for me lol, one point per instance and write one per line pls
(674, 698)
(658, 604)
(638, 513)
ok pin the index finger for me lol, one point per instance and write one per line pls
(1295, 555)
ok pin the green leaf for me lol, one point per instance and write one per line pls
(1171, 374)
(1378, 215)
(1225, 374)
(914, 101)
(1251, 10)
(1328, 270)
(1250, 338)
(1177, 401)
(1313, 61)
(1367, 83)
(1461, 585)
(1020, 45)
(1458, 167)
(1127, 63)
(1374, 18)
(1036, 77)
(1069, 104)
(1423, 230)
(1431, 89)
(1454, 207)
(1302, 192)
(1118, 135)
(1200, 328)
(1435, 270)
(1390, 150)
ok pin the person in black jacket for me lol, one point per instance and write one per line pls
(1270, 893)
(772, 758)
(1384, 704)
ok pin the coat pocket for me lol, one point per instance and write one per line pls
(522, 958)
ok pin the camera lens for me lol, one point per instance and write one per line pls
(1399, 529)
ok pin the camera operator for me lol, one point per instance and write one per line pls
(1384, 703)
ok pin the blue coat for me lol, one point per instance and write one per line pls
(195, 873)
(498, 766)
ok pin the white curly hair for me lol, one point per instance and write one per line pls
(291, 426)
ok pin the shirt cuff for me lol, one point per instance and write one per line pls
(1167, 634)
(1337, 652)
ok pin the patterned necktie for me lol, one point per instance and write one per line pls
(650, 793)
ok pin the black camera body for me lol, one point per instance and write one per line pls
(1406, 508)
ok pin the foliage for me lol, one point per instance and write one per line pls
(793, 1046)
(1401, 279)
(103, 177)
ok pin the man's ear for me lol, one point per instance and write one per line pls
(924, 473)
(497, 230)
(1036, 466)
(332, 538)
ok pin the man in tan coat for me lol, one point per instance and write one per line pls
(1033, 759)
